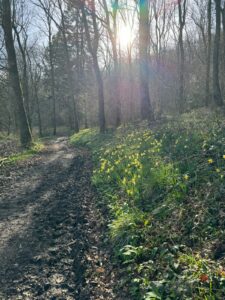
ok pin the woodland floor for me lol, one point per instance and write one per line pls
(51, 232)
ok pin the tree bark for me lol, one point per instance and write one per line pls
(52, 76)
(69, 70)
(146, 107)
(46, 6)
(93, 51)
(35, 79)
(38, 112)
(25, 134)
(209, 48)
(223, 22)
(182, 20)
(25, 85)
(101, 102)
(113, 39)
(217, 97)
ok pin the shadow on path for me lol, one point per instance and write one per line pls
(48, 232)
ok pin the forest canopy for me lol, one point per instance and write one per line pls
(81, 64)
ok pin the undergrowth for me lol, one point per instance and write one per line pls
(165, 192)
(23, 155)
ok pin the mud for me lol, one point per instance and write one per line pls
(51, 231)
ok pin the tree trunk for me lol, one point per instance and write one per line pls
(223, 22)
(38, 111)
(113, 38)
(182, 19)
(209, 48)
(131, 114)
(116, 85)
(146, 107)
(52, 76)
(69, 70)
(101, 102)
(217, 97)
(93, 52)
(85, 115)
(25, 85)
(25, 134)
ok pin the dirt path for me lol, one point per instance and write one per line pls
(51, 231)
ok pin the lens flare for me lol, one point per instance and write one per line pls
(125, 36)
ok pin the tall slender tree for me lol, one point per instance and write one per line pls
(217, 96)
(93, 49)
(182, 11)
(209, 50)
(223, 22)
(25, 79)
(112, 31)
(146, 106)
(69, 66)
(47, 7)
(25, 134)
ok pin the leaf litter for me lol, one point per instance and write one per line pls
(54, 234)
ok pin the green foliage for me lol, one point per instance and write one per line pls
(90, 138)
(165, 193)
(129, 228)
(84, 137)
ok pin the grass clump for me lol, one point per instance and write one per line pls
(90, 138)
(165, 192)
(14, 158)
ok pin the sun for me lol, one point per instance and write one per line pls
(125, 37)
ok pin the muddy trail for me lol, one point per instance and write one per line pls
(51, 232)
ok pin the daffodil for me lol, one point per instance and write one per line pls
(124, 181)
(186, 177)
(210, 160)
(133, 180)
(130, 192)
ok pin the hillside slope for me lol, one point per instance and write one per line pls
(164, 190)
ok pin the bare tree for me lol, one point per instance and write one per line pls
(93, 49)
(202, 17)
(182, 11)
(35, 77)
(223, 22)
(217, 97)
(209, 50)
(25, 80)
(69, 66)
(146, 107)
(48, 8)
(25, 134)
(112, 31)
(160, 27)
